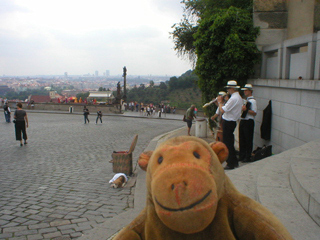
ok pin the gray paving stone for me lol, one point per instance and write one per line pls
(59, 223)
(63, 172)
(3, 222)
(6, 235)
(48, 230)
(21, 220)
(10, 224)
(14, 229)
(52, 235)
(39, 226)
(65, 227)
(34, 237)
(24, 233)
(30, 222)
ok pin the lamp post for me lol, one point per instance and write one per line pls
(125, 84)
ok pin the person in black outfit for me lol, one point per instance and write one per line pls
(21, 123)
(85, 114)
(99, 116)
(246, 127)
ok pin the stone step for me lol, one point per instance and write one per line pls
(305, 178)
(269, 182)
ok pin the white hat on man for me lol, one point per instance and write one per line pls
(222, 93)
(248, 86)
(232, 84)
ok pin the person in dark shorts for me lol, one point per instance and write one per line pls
(85, 114)
(190, 115)
(21, 123)
(99, 116)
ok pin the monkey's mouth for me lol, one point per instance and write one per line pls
(184, 208)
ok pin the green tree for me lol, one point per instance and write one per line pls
(25, 94)
(195, 10)
(173, 83)
(226, 49)
(83, 95)
(163, 85)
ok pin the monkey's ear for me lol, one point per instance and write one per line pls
(144, 159)
(221, 150)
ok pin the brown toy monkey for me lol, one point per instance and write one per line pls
(189, 197)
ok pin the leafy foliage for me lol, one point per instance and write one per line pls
(195, 10)
(23, 95)
(225, 46)
(83, 95)
(181, 91)
(182, 36)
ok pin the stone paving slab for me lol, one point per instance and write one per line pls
(56, 186)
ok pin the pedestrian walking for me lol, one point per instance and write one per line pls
(86, 114)
(21, 123)
(7, 112)
(99, 116)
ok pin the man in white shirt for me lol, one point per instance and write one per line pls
(231, 113)
(246, 127)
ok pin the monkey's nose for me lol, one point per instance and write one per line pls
(183, 184)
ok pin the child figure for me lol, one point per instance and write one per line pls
(99, 116)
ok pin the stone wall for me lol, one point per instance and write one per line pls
(285, 19)
(296, 111)
(271, 16)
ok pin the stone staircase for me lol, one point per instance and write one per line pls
(288, 185)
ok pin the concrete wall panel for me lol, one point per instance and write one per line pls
(317, 125)
(308, 133)
(271, 36)
(287, 83)
(297, 113)
(306, 84)
(298, 66)
(289, 142)
(271, 5)
(310, 99)
(276, 108)
(284, 125)
(286, 95)
(272, 66)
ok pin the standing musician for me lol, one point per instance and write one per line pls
(246, 127)
(218, 115)
(231, 113)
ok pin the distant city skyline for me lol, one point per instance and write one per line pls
(54, 36)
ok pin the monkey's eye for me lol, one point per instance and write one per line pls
(160, 159)
(197, 155)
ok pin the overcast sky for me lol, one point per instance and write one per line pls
(51, 37)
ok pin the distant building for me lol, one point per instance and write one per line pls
(71, 93)
(104, 97)
(39, 98)
(107, 73)
(97, 73)
(4, 89)
(54, 95)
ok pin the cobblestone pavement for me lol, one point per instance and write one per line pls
(56, 186)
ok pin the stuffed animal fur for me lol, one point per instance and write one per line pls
(189, 197)
(119, 180)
